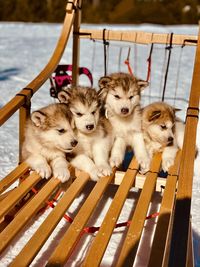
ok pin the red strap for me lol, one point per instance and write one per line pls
(93, 229)
(129, 67)
(152, 215)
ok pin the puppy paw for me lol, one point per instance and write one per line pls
(104, 169)
(43, 169)
(167, 163)
(95, 174)
(144, 163)
(62, 173)
(115, 161)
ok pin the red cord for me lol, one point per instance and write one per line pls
(90, 229)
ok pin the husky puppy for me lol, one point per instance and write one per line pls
(163, 132)
(92, 131)
(120, 93)
(48, 137)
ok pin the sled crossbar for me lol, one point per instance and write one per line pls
(24, 195)
(138, 37)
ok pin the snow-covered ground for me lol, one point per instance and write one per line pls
(24, 51)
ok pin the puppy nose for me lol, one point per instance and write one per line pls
(170, 139)
(90, 126)
(124, 110)
(74, 143)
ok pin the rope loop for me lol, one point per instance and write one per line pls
(149, 61)
(169, 48)
(106, 44)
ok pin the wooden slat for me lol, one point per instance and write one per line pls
(27, 213)
(4, 195)
(132, 239)
(96, 251)
(138, 37)
(166, 209)
(18, 172)
(180, 233)
(139, 181)
(17, 194)
(16, 102)
(28, 253)
(71, 237)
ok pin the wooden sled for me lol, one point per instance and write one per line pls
(172, 239)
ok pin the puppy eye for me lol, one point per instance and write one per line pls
(117, 96)
(163, 127)
(130, 97)
(79, 114)
(61, 131)
(93, 112)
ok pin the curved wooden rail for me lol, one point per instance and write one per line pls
(179, 245)
(25, 94)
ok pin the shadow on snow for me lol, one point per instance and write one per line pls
(7, 73)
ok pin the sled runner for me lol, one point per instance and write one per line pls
(172, 237)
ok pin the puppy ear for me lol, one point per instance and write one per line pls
(102, 93)
(64, 96)
(38, 118)
(154, 115)
(142, 84)
(104, 82)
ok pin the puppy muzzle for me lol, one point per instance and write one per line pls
(124, 111)
(90, 127)
(170, 141)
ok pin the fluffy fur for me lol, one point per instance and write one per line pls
(48, 137)
(163, 132)
(92, 131)
(120, 93)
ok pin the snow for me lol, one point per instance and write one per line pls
(25, 48)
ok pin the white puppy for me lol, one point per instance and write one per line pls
(121, 95)
(48, 137)
(163, 132)
(92, 131)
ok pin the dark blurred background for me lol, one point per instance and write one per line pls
(104, 11)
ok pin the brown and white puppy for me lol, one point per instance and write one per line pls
(49, 136)
(92, 131)
(120, 93)
(163, 132)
